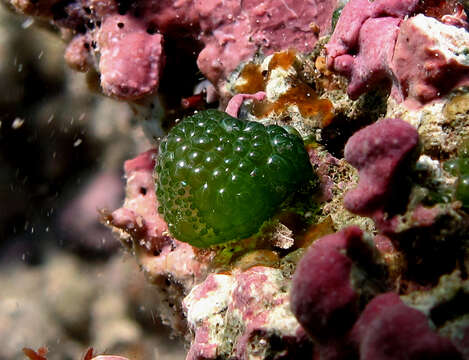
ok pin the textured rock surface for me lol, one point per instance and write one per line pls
(441, 124)
(240, 315)
(274, 91)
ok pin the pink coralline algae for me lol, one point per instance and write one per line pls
(128, 41)
(422, 65)
(379, 152)
(374, 44)
(236, 101)
(384, 154)
(139, 214)
(341, 296)
(131, 59)
(355, 14)
(244, 315)
(326, 291)
(139, 218)
(388, 329)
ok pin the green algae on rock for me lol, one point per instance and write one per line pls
(459, 166)
(219, 178)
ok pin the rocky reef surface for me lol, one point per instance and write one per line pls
(371, 259)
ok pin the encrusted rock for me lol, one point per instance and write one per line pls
(244, 315)
(220, 35)
(428, 61)
(171, 264)
(400, 46)
(441, 124)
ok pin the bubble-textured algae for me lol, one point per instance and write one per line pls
(219, 178)
(459, 166)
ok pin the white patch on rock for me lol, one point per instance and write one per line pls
(214, 302)
(451, 41)
(279, 79)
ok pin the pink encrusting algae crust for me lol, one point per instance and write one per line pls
(127, 40)
(326, 294)
(131, 59)
(240, 316)
(426, 62)
(375, 43)
(140, 204)
(388, 329)
(326, 302)
(379, 152)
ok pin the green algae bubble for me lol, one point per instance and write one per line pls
(462, 191)
(235, 176)
(452, 166)
(459, 166)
